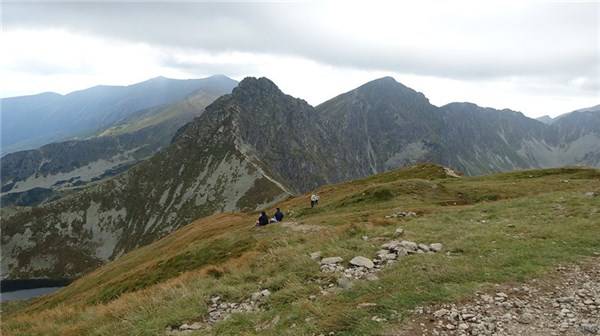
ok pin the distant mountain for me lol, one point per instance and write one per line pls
(381, 125)
(480, 140)
(31, 121)
(34, 176)
(258, 145)
(545, 119)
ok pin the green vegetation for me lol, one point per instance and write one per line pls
(495, 229)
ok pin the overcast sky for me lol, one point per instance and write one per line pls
(532, 56)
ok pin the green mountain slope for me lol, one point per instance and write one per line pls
(494, 229)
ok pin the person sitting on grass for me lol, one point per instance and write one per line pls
(262, 220)
(278, 216)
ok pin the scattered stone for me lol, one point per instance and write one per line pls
(331, 260)
(590, 328)
(565, 299)
(526, 318)
(402, 214)
(423, 247)
(366, 305)
(441, 313)
(591, 194)
(566, 305)
(399, 232)
(392, 245)
(389, 256)
(315, 255)
(362, 261)
(409, 246)
(361, 267)
(436, 247)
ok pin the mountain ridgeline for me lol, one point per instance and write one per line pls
(256, 146)
(31, 121)
(35, 176)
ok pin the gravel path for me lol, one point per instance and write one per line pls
(566, 302)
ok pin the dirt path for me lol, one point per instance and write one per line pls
(298, 227)
(566, 302)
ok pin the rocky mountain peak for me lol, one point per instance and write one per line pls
(388, 88)
(253, 85)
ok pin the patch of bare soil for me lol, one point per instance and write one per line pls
(299, 227)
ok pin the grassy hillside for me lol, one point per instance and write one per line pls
(495, 229)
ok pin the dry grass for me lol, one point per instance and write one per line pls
(506, 227)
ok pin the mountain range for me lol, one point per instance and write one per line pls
(123, 138)
(257, 145)
(31, 121)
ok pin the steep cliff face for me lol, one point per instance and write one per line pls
(382, 125)
(480, 140)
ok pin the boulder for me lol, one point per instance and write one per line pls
(436, 247)
(362, 262)
(389, 256)
(390, 245)
(382, 252)
(399, 232)
(331, 260)
(315, 255)
(401, 252)
(424, 248)
(409, 246)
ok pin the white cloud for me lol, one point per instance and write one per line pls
(533, 56)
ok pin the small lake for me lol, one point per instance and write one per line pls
(23, 294)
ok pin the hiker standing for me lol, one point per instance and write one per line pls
(314, 200)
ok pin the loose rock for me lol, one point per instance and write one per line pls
(362, 261)
(331, 260)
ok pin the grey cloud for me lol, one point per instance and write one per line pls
(206, 68)
(554, 40)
